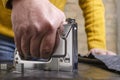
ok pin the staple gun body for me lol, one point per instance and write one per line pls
(65, 58)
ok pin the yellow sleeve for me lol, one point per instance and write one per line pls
(59, 3)
(93, 11)
(7, 3)
(4, 2)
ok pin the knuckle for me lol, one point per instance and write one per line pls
(23, 29)
(39, 30)
(49, 25)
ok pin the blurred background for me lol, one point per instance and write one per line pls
(112, 11)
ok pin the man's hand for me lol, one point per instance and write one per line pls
(101, 52)
(35, 24)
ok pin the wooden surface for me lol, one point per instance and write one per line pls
(85, 72)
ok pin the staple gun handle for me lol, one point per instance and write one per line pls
(18, 60)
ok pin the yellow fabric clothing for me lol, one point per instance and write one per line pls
(93, 11)
(5, 21)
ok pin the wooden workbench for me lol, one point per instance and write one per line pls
(85, 72)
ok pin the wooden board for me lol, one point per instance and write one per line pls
(85, 72)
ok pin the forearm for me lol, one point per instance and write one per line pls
(93, 11)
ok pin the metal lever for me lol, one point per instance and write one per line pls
(19, 60)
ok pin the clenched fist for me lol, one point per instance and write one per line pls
(35, 25)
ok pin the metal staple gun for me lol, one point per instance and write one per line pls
(65, 58)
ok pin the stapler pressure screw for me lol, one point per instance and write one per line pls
(16, 62)
(16, 58)
(61, 60)
(67, 60)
